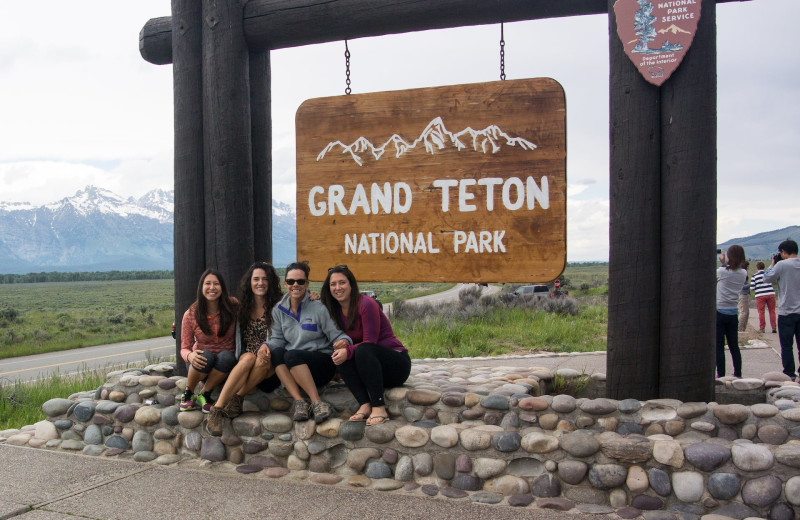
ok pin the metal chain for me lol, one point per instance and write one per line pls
(347, 89)
(502, 55)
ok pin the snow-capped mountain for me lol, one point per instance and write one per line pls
(97, 230)
(435, 137)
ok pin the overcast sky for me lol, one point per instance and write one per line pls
(80, 106)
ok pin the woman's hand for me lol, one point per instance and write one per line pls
(339, 356)
(264, 353)
(313, 296)
(197, 360)
(340, 344)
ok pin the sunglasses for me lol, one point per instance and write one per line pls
(337, 267)
(299, 281)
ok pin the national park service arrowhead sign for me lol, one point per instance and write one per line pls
(656, 35)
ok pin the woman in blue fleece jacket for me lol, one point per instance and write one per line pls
(300, 347)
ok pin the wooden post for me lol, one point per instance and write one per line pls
(227, 139)
(189, 235)
(689, 218)
(634, 228)
(261, 129)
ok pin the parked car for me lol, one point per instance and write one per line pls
(536, 291)
(374, 296)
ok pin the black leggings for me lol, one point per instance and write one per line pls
(373, 368)
(319, 363)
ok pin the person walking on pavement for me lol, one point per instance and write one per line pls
(765, 297)
(785, 269)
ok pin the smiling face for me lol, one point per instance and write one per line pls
(258, 283)
(340, 289)
(212, 289)
(296, 291)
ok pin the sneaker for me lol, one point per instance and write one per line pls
(187, 403)
(774, 331)
(299, 410)
(215, 421)
(204, 402)
(761, 331)
(233, 408)
(322, 411)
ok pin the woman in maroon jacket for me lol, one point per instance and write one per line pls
(376, 359)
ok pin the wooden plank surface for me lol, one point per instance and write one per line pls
(464, 135)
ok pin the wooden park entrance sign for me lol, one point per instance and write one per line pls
(662, 167)
(455, 183)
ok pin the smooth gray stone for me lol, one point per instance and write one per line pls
(724, 486)
(144, 456)
(126, 413)
(707, 457)
(116, 441)
(647, 502)
(580, 443)
(63, 424)
(444, 464)
(628, 428)
(142, 441)
(659, 481)
(520, 500)
(404, 471)
(607, 476)
(628, 406)
(484, 497)
(572, 471)
(467, 483)
(193, 441)
(781, 511)
(495, 402)
(169, 416)
(212, 449)
(93, 435)
(546, 486)
(57, 406)
(85, 411)
(107, 406)
(352, 430)
(285, 437)
(762, 491)
(736, 510)
(378, 469)
(506, 441)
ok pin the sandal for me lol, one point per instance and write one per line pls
(359, 416)
(377, 419)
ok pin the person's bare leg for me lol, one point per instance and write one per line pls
(214, 378)
(194, 377)
(302, 375)
(237, 378)
(288, 381)
(259, 372)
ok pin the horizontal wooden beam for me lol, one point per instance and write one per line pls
(278, 24)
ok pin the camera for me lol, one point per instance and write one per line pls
(719, 251)
(777, 258)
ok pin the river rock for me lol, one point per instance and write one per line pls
(762, 491)
(506, 441)
(507, 485)
(563, 403)
(473, 439)
(706, 456)
(579, 444)
(423, 464)
(688, 485)
(630, 450)
(659, 481)
(56, 407)
(789, 454)
(752, 457)
(537, 442)
(445, 436)
(669, 453)
(607, 476)
(731, 413)
(724, 486)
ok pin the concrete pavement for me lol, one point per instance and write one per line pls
(39, 484)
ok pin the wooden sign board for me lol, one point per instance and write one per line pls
(462, 183)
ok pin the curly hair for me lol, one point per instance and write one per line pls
(247, 300)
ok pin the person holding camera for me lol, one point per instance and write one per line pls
(744, 300)
(765, 297)
(730, 280)
(785, 269)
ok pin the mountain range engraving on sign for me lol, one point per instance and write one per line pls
(456, 183)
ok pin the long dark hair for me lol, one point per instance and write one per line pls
(735, 257)
(247, 299)
(333, 305)
(227, 308)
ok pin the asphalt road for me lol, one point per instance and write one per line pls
(40, 366)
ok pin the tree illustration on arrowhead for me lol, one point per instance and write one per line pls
(643, 25)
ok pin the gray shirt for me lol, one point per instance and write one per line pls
(729, 283)
(787, 273)
(311, 329)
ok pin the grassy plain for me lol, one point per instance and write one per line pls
(45, 317)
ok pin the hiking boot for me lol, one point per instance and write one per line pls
(233, 408)
(322, 411)
(187, 403)
(204, 402)
(215, 421)
(299, 410)
(761, 331)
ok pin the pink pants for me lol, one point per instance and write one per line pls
(769, 301)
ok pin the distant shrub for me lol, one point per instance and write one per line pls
(8, 313)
